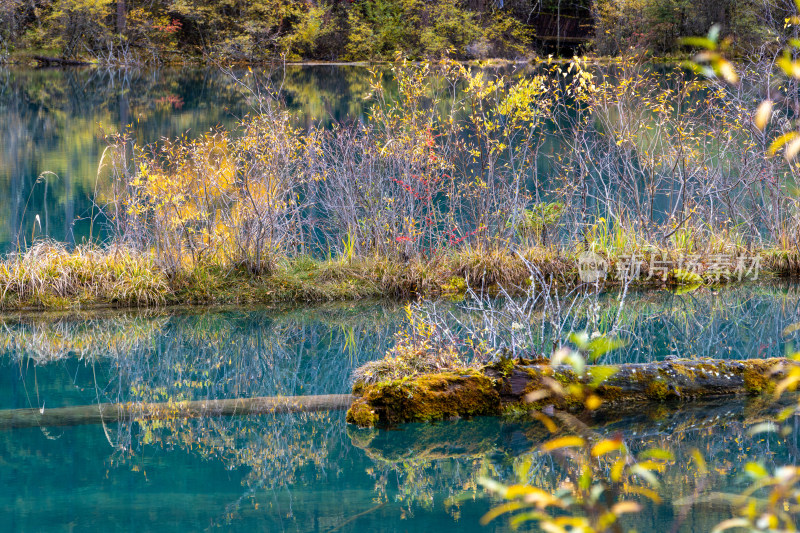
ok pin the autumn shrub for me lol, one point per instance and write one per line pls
(665, 153)
(229, 200)
(422, 177)
(442, 179)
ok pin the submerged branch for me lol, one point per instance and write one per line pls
(118, 412)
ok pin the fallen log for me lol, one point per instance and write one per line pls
(497, 389)
(493, 390)
(120, 412)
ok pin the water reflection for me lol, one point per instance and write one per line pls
(310, 471)
(121, 356)
(424, 464)
(314, 474)
(737, 322)
(55, 122)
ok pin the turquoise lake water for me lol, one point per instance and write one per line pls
(302, 472)
(313, 472)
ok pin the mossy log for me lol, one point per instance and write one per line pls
(425, 398)
(506, 387)
(120, 412)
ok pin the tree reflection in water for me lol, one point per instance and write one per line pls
(168, 357)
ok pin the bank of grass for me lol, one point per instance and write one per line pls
(49, 276)
(424, 199)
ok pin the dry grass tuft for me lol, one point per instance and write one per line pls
(48, 275)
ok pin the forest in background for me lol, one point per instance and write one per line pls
(135, 31)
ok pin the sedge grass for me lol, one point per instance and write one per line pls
(49, 276)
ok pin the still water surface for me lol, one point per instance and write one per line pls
(53, 127)
(312, 472)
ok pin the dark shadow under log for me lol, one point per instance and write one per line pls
(120, 412)
(501, 388)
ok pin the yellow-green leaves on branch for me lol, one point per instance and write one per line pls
(607, 446)
(563, 442)
(784, 140)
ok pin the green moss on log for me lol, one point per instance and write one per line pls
(657, 390)
(610, 393)
(756, 382)
(506, 389)
(426, 398)
(361, 414)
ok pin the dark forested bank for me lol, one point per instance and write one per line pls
(124, 31)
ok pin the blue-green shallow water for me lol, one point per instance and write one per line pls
(71, 479)
(311, 472)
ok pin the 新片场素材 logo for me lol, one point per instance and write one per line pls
(592, 267)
